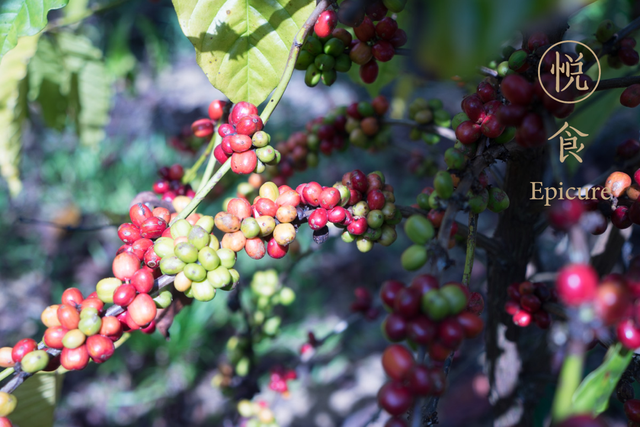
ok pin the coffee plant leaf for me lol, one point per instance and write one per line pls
(20, 18)
(592, 396)
(242, 45)
(37, 399)
(13, 109)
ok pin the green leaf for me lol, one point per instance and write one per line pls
(91, 91)
(13, 69)
(20, 18)
(37, 398)
(242, 45)
(592, 396)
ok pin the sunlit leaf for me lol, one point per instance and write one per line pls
(37, 398)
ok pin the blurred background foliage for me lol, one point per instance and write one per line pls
(87, 123)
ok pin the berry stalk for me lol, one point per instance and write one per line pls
(471, 248)
(190, 174)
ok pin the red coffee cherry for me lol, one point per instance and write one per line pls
(369, 71)
(389, 291)
(531, 131)
(226, 130)
(468, 132)
(419, 380)
(577, 283)
(564, 214)
(450, 333)
(288, 198)
(216, 109)
(486, 91)
(124, 295)
(386, 28)
(472, 106)
(153, 227)
(318, 219)
(74, 359)
(22, 348)
(395, 327)
(359, 181)
(365, 31)
(471, 324)
(151, 259)
(617, 183)
(530, 303)
(255, 248)
(537, 40)
(632, 410)
(407, 303)
(397, 361)
(140, 246)
(220, 155)
(620, 217)
(375, 199)
(329, 198)
(142, 310)
(376, 10)
(202, 128)
(240, 110)
(128, 233)
(124, 265)
(628, 56)
(244, 163)
(276, 250)
(522, 318)
(72, 297)
(517, 89)
(99, 348)
(383, 51)
(68, 317)
(53, 337)
(111, 327)
(424, 283)
(337, 215)
(240, 208)
(511, 115)
(492, 127)
(542, 319)
(421, 330)
(325, 23)
(631, 96)
(358, 226)
(248, 125)
(628, 334)
(311, 193)
(139, 213)
(395, 398)
(239, 143)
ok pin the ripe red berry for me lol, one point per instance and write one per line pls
(395, 398)
(240, 110)
(468, 132)
(68, 316)
(389, 291)
(375, 199)
(369, 72)
(397, 360)
(275, 250)
(577, 283)
(358, 226)
(128, 233)
(472, 107)
(53, 337)
(142, 309)
(312, 193)
(139, 213)
(359, 181)
(99, 348)
(124, 295)
(244, 163)
(628, 56)
(124, 265)
(486, 91)
(226, 130)
(421, 330)
(366, 30)
(511, 115)
(395, 327)
(329, 198)
(522, 318)
(530, 303)
(72, 297)
(531, 131)
(376, 10)
(542, 319)
(471, 324)
(450, 333)
(176, 172)
(632, 410)
(216, 109)
(537, 40)
(237, 143)
(424, 283)
(151, 259)
(492, 127)
(628, 334)
(419, 380)
(248, 125)
(517, 89)
(620, 217)
(152, 228)
(202, 128)
(318, 219)
(22, 348)
(630, 97)
(74, 359)
(386, 28)
(325, 23)
(383, 51)
(563, 214)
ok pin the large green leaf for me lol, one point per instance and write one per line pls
(242, 45)
(37, 399)
(13, 69)
(592, 396)
(19, 18)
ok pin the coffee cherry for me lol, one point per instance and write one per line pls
(617, 183)
(128, 233)
(631, 96)
(369, 72)
(220, 155)
(563, 214)
(576, 284)
(255, 248)
(74, 359)
(383, 51)
(8, 403)
(498, 200)
(468, 132)
(73, 339)
(244, 163)
(421, 330)
(522, 318)
(140, 247)
(386, 28)
(450, 333)
(142, 310)
(419, 229)
(240, 110)
(389, 291)
(632, 410)
(248, 125)
(100, 348)
(276, 250)
(366, 30)
(395, 327)
(90, 325)
(6, 361)
(443, 184)
(68, 317)
(419, 380)
(397, 361)
(216, 109)
(124, 295)
(72, 297)
(394, 398)
(124, 265)
(628, 334)
(455, 297)
(358, 226)
(202, 128)
(435, 306)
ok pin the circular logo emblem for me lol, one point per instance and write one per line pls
(569, 69)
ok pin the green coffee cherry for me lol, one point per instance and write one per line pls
(435, 306)
(435, 104)
(366, 109)
(206, 221)
(419, 229)
(375, 219)
(389, 211)
(507, 135)
(498, 200)
(35, 361)
(198, 237)
(250, 228)
(227, 257)
(397, 218)
(312, 76)
(235, 278)
(414, 257)
(443, 185)
(208, 258)
(164, 247)
(454, 159)
(345, 195)
(364, 244)
(90, 325)
(313, 142)
(186, 252)
(266, 154)
(347, 237)
(458, 118)
(163, 300)
(372, 234)
(517, 59)
(181, 228)
(424, 117)
(388, 235)
(189, 292)
(329, 77)
(312, 160)
(260, 167)
(325, 62)
(8, 403)
(218, 278)
(272, 325)
(434, 200)
(361, 208)
(503, 68)
(478, 202)
(343, 63)
(276, 160)
(242, 367)
(313, 46)
(455, 297)
(73, 339)
(287, 296)
(105, 289)
(334, 47)
(203, 291)
(442, 118)
(358, 138)
(395, 6)
(261, 138)
(89, 312)
(605, 30)
(304, 60)
(423, 201)
(171, 265)
(430, 138)
(195, 272)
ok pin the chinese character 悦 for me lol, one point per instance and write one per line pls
(560, 68)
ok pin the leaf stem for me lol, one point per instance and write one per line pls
(212, 163)
(298, 41)
(191, 173)
(5, 373)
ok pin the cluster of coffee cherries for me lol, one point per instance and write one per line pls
(278, 379)
(426, 112)
(527, 303)
(204, 128)
(375, 41)
(623, 52)
(360, 124)
(256, 414)
(192, 254)
(170, 185)
(327, 53)
(363, 304)
(244, 141)
(428, 315)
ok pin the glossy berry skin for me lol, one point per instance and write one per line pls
(366, 30)
(407, 303)
(216, 109)
(620, 217)
(72, 297)
(275, 250)
(576, 284)
(450, 333)
(139, 213)
(244, 163)
(142, 309)
(99, 348)
(522, 318)
(399, 39)
(421, 330)
(128, 233)
(124, 295)
(530, 303)
(632, 410)
(397, 361)
(383, 51)
(419, 380)
(386, 28)
(471, 324)
(124, 265)
(369, 71)
(318, 219)
(628, 334)
(23, 347)
(240, 110)
(395, 398)
(389, 291)
(563, 214)
(630, 97)
(142, 280)
(375, 199)
(152, 228)
(468, 132)
(472, 107)
(74, 359)
(358, 226)
(312, 193)
(53, 337)
(202, 128)
(517, 89)
(68, 316)
(325, 23)
(329, 198)
(395, 327)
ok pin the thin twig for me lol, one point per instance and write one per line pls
(471, 248)
(618, 83)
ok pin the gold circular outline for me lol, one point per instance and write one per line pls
(597, 62)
